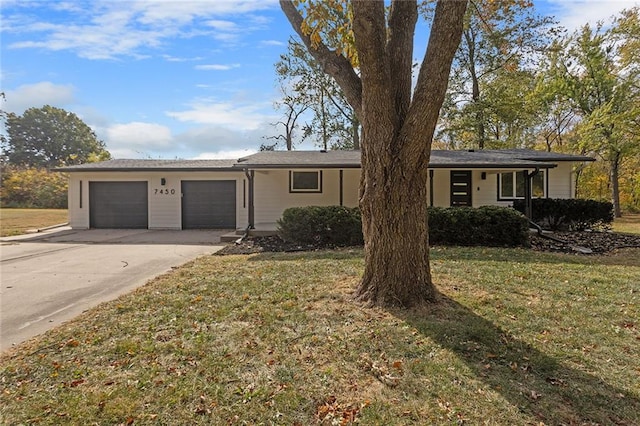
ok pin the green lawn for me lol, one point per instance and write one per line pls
(517, 338)
(629, 223)
(19, 221)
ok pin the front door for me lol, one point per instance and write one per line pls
(460, 188)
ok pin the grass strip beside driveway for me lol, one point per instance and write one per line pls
(19, 221)
(516, 338)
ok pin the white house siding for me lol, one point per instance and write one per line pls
(272, 196)
(560, 181)
(441, 188)
(351, 187)
(485, 191)
(165, 208)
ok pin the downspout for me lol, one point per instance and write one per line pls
(528, 204)
(251, 225)
(250, 177)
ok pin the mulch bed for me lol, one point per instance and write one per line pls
(572, 242)
(596, 241)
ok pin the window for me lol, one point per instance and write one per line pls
(511, 185)
(307, 181)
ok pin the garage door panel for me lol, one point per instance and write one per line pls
(208, 204)
(118, 205)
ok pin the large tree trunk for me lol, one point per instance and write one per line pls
(396, 146)
(394, 216)
(397, 130)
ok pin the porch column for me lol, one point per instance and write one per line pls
(341, 187)
(528, 190)
(430, 187)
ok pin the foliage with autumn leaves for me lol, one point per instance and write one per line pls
(35, 143)
(33, 188)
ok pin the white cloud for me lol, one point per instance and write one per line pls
(225, 155)
(37, 95)
(572, 14)
(216, 67)
(277, 43)
(139, 135)
(96, 30)
(222, 25)
(237, 116)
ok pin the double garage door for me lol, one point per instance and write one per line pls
(205, 204)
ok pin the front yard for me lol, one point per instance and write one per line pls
(518, 337)
(19, 221)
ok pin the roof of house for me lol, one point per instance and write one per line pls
(301, 159)
(536, 155)
(485, 159)
(127, 165)
(481, 159)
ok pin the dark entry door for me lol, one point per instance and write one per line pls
(208, 204)
(118, 205)
(460, 188)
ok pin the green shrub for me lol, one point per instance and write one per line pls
(342, 226)
(332, 226)
(573, 214)
(483, 226)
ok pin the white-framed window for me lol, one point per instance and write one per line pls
(511, 185)
(305, 181)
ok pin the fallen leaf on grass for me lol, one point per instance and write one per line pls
(340, 414)
(72, 343)
(380, 369)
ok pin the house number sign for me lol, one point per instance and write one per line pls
(164, 191)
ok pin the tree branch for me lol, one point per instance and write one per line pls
(446, 32)
(337, 66)
(402, 22)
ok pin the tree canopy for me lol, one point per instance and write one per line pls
(49, 137)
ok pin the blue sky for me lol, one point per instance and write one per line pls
(169, 78)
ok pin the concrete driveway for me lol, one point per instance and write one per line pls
(50, 278)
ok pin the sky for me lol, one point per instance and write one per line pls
(168, 79)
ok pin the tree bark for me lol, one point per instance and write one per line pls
(396, 147)
(397, 132)
(337, 66)
(614, 164)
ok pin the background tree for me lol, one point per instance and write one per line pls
(293, 104)
(333, 124)
(49, 137)
(398, 124)
(33, 188)
(603, 90)
(501, 41)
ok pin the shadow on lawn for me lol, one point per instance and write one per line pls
(531, 380)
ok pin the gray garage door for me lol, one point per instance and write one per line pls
(118, 205)
(208, 204)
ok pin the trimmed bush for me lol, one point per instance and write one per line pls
(330, 226)
(491, 226)
(334, 226)
(573, 214)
